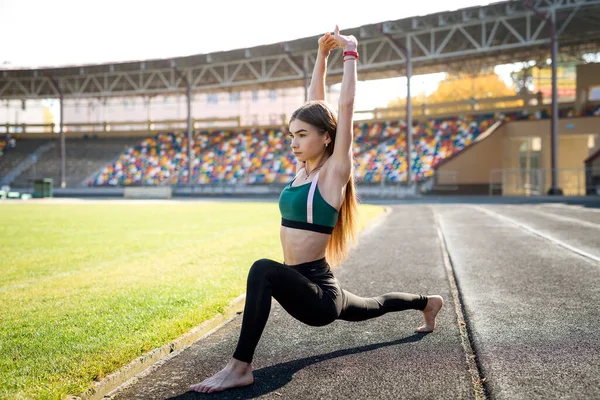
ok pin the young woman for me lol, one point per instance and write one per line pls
(318, 210)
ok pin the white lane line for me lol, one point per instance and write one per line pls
(539, 233)
(571, 207)
(565, 218)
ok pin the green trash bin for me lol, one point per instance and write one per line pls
(42, 188)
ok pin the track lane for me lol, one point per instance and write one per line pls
(532, 307)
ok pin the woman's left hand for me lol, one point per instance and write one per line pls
(346, 42)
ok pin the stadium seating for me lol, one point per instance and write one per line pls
(6, 143)
(592, 110)
(569, 112)
(262, 156)
(83, 158)
(156, 160)
(13, 156)
(247, 153)
(433, 141)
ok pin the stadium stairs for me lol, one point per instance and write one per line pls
(14, 157)
(84, 157)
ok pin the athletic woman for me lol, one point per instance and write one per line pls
(318, 223)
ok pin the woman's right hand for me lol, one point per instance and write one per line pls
(326, 44)
(347, 43)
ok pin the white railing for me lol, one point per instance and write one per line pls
(538, 181)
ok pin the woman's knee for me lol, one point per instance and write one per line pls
(324, 319)
(320, 317)
(261, 268)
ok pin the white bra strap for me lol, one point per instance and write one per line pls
(309, 201)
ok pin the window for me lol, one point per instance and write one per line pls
(212, 98)
(591, 144)
(272, 95)
(234, 97)
(594, 93)
(255, 96)
(273, 119)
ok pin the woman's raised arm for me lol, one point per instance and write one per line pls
(317, 83)
(342, 152)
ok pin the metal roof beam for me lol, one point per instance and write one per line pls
(497, 33)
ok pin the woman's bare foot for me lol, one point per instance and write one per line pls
(434, 305)
(236, 373)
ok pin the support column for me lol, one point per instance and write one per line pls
(190, 130)
(554, 189)
(551, 19)
(63, 153)
(61, 132)
(409, 145)
(305, 69)
(190, 125)
(148, 109)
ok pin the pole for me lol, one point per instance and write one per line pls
(554, 189)
(190, 129)
(63, 153)
(408, 112)
(305, 68)
(61, 133)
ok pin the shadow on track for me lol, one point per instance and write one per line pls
(269, 379)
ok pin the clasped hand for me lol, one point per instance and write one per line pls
(328, 42)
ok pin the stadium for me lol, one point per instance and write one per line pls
(105, 216)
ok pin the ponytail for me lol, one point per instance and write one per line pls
(345, 230)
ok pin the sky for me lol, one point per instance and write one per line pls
(37, 33)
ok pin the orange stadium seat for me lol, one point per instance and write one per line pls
(7, 142)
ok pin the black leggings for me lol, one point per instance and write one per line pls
(311, 294)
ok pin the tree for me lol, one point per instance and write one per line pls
(398, 108)
(522, 79)
(462, 93)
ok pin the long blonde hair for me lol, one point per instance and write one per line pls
(318, 114)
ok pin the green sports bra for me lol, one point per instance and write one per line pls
(303, 207)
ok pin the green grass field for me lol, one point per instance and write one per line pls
(87, 288)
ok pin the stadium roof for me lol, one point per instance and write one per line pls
(469, 40)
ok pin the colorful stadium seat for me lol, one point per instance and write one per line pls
(262, 156)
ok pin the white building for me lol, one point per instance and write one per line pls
(25, 112)
(262, 107)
